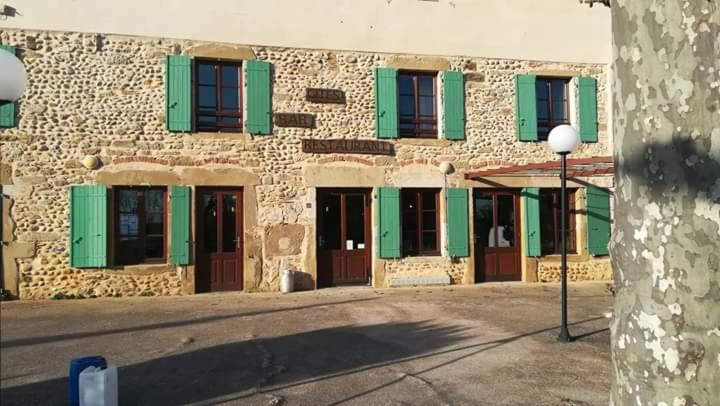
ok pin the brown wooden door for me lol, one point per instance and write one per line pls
(220, 244)
(343, 238)
(497, 235)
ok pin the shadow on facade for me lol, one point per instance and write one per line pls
(232, 372)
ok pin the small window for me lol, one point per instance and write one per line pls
(418, 105)
(140, 225)
(218, 96)
(420, 222)
(550, 221)
(552, 104)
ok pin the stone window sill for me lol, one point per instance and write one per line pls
(142, 269)
(424, 259)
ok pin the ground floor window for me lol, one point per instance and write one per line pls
(140, 225)
(420, 222)
(550, 221)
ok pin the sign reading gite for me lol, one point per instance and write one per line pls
(325, 95)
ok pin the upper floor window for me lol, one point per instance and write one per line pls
(139, 225)
(420, 222)
(552, 104)
(550, 216)
(218, 93)
(418, 105)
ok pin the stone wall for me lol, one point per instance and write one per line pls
(591, 269)
(106, 99)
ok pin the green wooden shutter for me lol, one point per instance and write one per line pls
(7, 111)
(453, 105)
(457, 219)
(386, 103)
(526, 108)
(257, 80)
(88, 226)
(587, 89)
(598, 220)
(531, 195)
(389, 222)
(178, 100)
(180, 224)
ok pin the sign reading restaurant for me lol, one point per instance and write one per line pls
(348, 147)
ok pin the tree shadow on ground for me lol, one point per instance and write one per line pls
(234, 371)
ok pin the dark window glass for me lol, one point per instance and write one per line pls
(229, 232)
(218, 96)
(355, 223)
(484, 221)
(552, 104)
(209, 213)
(550, 221)
(417, 105)
(140, 225)
(329, 221)
(420, 231)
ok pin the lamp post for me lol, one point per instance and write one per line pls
(563, 140)
(13, 78)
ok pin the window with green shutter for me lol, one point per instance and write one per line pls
(453, 105)
(588, 117)
(88, 226)
(178, 100)
(386, 103)
(7, 111)
(258, 81)
(180, 224)
(457, 220)
(526, 108)
(531, 200)
(598, 220)
(389, 222)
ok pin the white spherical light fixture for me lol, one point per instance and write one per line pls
(563, 139)
(13, 77)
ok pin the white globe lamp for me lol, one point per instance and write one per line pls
(563, 139)
(13, 77)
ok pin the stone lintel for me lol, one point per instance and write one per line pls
(203, 176)
(429, 63)
(222, 51)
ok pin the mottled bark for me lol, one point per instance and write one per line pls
(666, 238)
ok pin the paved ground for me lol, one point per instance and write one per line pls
(492, 344)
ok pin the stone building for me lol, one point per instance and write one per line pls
(150, 159)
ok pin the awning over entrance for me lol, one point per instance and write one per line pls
(575, 168)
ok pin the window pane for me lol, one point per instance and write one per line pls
(154, 201)
(484, 221)
(128, 201)
(558, 90)
(506, 221)
(543, 110)
(207, 97)
(153, 247)
(547, 223)
(230, 121)
(329, 221)
(209, 215)
(230, 75)
(229, 221)
(429, 220)
(410, 220)
(429, 241)
(355, 216)
(427, 106)
(559, 111)
(426, 85)
(230, 99)
(409, 244)
(129, 226)
(405, 84)
(429, 200)
(206, 74)
(541, 89)
(407, 106)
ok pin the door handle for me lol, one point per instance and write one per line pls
(237, 242)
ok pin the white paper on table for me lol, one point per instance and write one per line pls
(361, 246)
(349, 245)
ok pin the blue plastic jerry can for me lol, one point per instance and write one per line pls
(76, 366)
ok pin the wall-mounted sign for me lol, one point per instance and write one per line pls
(325, 95)
(301, 120)
(348, 147)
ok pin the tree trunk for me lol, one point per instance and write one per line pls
(666, 238)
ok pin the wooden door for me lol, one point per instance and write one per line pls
(220, 243)
(343, 237)
(497, 235)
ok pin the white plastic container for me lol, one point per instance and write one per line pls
(287, 281)
(99, 387)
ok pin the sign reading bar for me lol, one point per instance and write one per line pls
(348, 147)
(325, 95)
(301, 120)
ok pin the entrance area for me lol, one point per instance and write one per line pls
(219, 252)
(497, 235)
(343, 237)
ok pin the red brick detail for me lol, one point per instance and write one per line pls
(145, 159)
(343, 158)
(218, 161)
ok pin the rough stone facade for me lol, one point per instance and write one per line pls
(105, 99)
(584, 270)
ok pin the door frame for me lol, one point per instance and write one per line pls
(368, 230)
(478, 253)
(199, 241)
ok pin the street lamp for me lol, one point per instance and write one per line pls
(13, 77)
(563, 140)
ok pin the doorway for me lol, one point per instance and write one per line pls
(343, 237)
(497, 235)
(219, 252)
